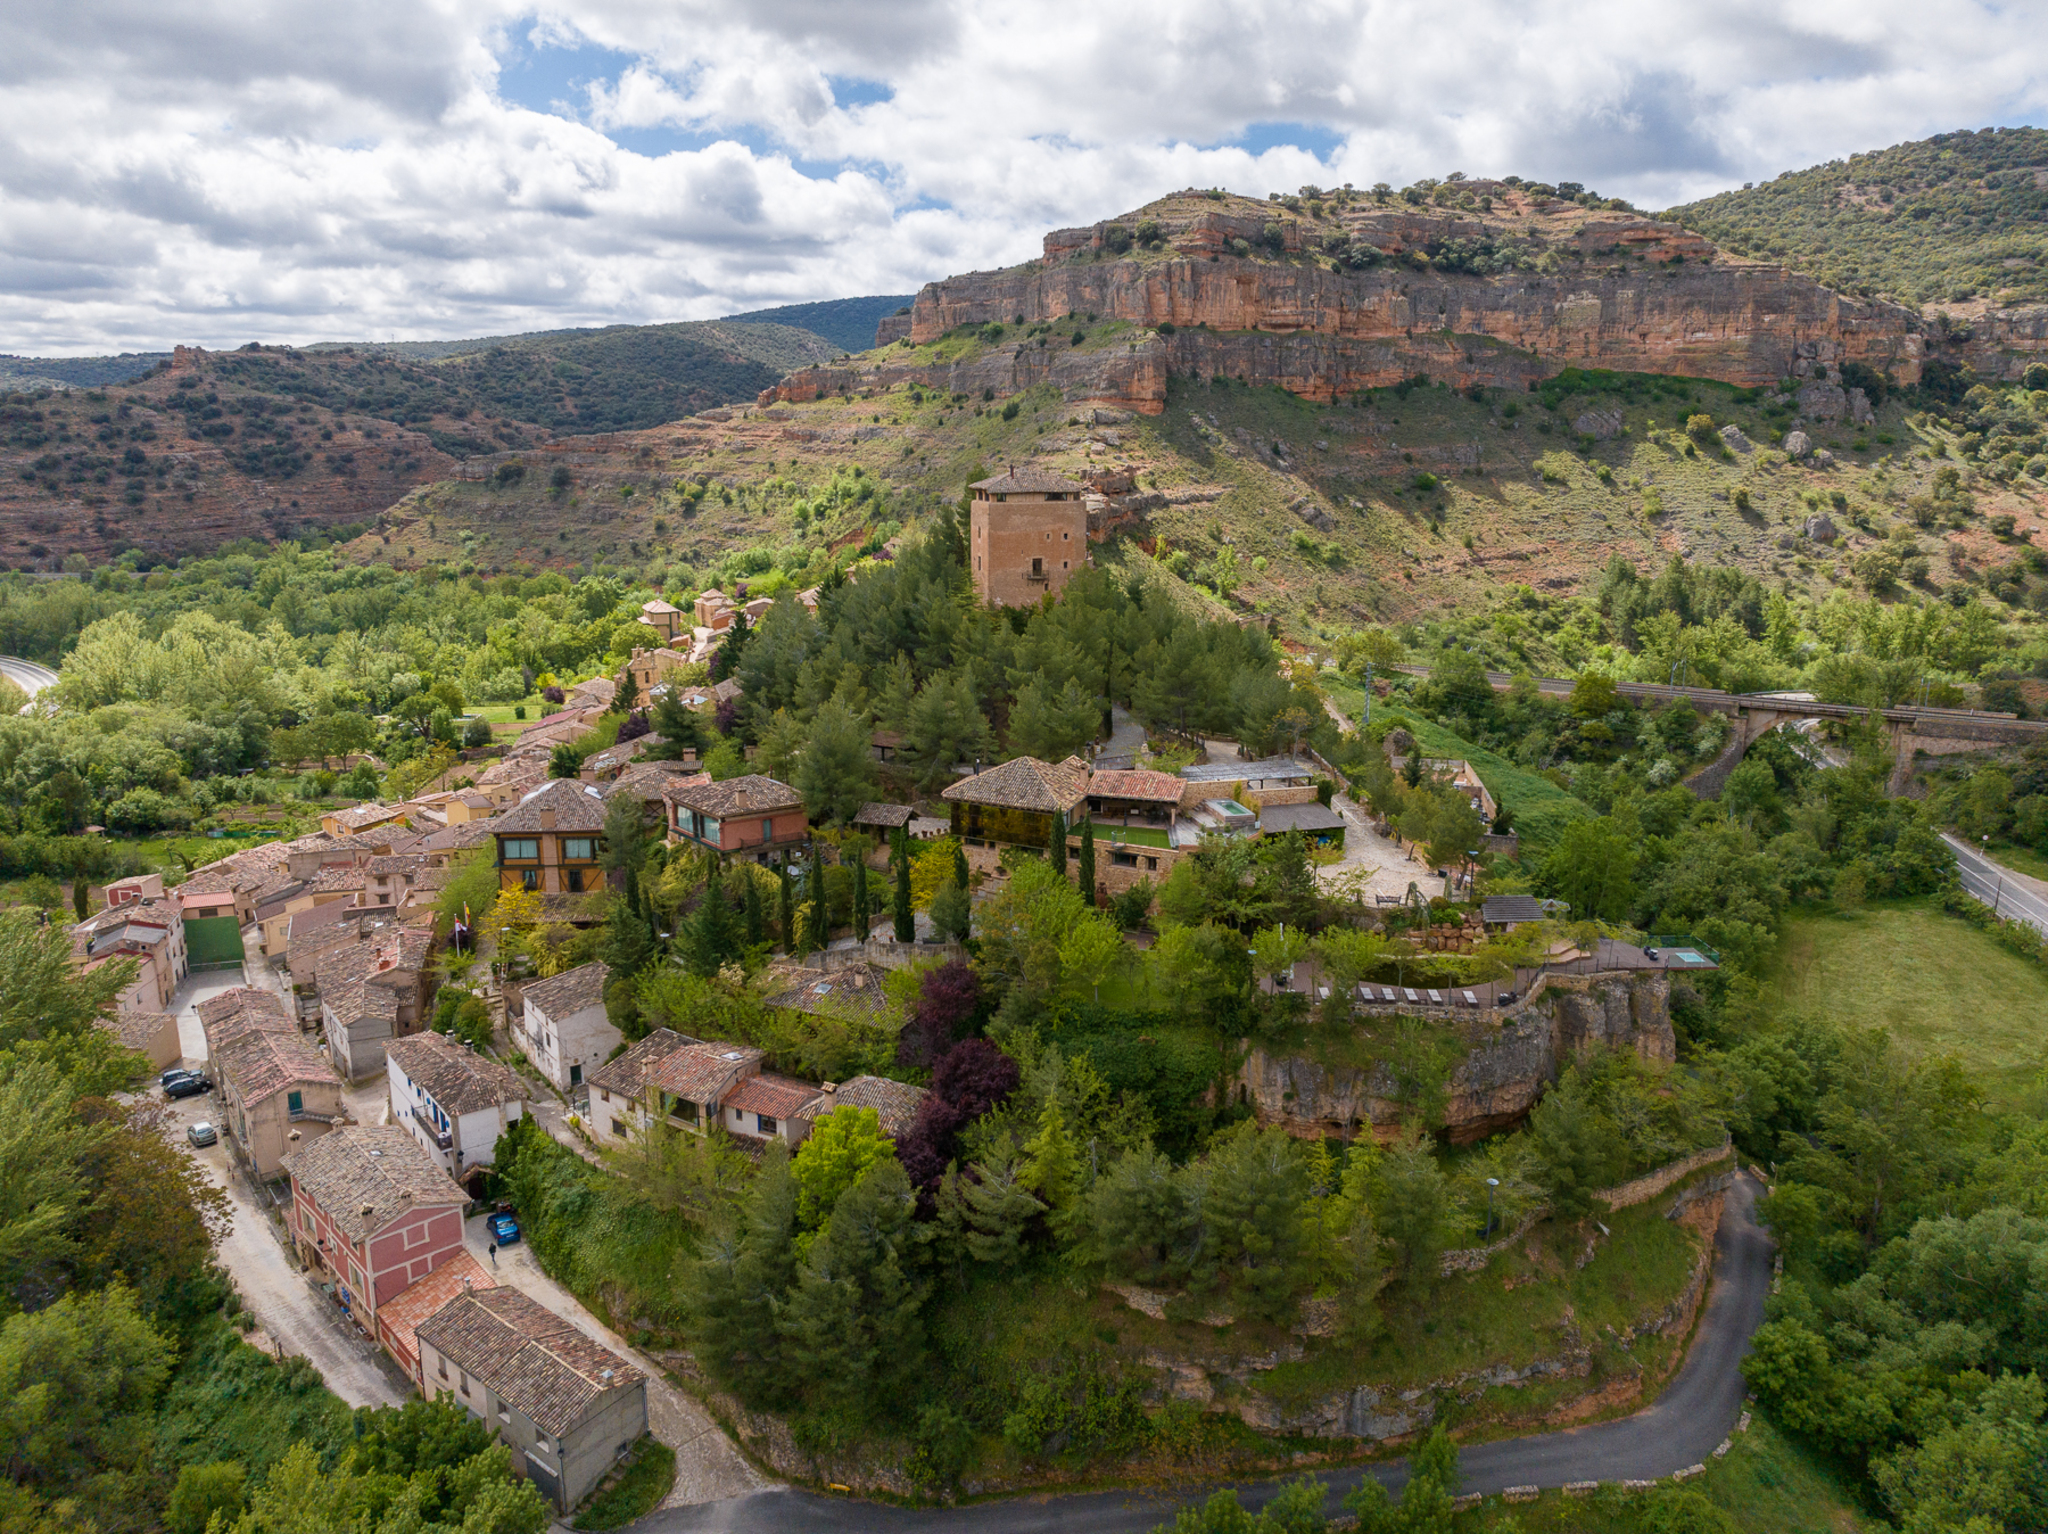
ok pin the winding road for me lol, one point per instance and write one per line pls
(1684, 1426)
(26, 674)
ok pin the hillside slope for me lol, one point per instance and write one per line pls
(848, 323)
(1415, 502)
(1945, 220)
(258, 443)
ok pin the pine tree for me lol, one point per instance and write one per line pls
(863, 901)
(712, 937)
(1052, 1167)
(906, 916)
(851, 1323)
(1056, 846)
(734, 1291)
(786, 909)
(992, 1211)
(1088, 860)
(628, 941)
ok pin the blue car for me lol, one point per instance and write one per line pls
(503, 1228)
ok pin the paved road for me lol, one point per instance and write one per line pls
(26, 674)
(1682, 1428)
(2011, 895)
(295, 1315)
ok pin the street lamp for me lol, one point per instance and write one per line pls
(1491, 1184)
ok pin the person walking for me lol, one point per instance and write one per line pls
(494, 1254)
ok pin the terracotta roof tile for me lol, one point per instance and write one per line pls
(705, 1072)
(570, 991)
(576, 806)
(527, 1356)
(1029, 482)
(895, 1102)
(780, 1097)
(1024, 783)
(259, 1065)
(1138, 783)
(627, 1073)
(402, 1314)
(459, 1080)
(748, 795)
(366, 1175)
(874, 814)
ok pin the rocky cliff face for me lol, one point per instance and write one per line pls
(1364, 295)
(1500, 1078)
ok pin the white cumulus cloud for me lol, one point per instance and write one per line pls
(220, 171)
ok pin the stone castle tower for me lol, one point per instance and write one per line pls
(1027, 535)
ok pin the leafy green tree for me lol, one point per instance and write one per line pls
(712, 937)
(835, 1156)
(1426, 1501)
(629, 943)
(203, 1490)
(1052, 1164)
(681, 727)
(863, 900)
(420, 1435)
(1052, 724)
(1091, 951)
(1296, 1509)
(42, 1145)
(78, 1381)
(1592, 868)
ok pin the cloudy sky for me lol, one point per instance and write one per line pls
(218, 171)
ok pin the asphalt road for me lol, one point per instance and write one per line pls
(1997, 887)
(1683, 1427)
(26, 674)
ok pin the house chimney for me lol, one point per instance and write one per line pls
(547, 820)
(829, 1087)
(739, 799)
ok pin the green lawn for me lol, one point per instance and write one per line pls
(2020, 859)
(1934, 982)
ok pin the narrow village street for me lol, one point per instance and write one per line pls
(293, 1316)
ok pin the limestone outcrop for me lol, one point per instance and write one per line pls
(1365, 295)
(1503, 1073)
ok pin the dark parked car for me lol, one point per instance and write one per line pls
(503, 1228)
(175, 1073)
(188, 1086)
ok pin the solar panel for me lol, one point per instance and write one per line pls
(1435, 1000)
(1389, 991)
(1411, 995)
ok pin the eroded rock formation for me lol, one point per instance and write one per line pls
(1367, 295)
(1502, 1075)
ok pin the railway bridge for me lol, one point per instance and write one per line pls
(1912, 729)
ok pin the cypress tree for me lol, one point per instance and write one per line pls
(960, 864)
(81, 895)
(786, 914)
(1056, 846)
(1088, 860)
(820, 925)
(756, 926)
(628, 940)
(906, 917)
(863, 901)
